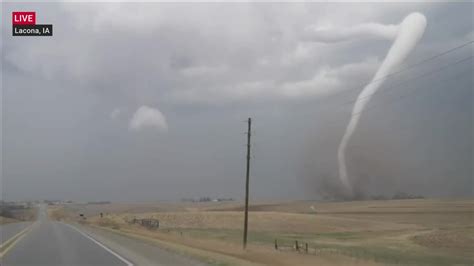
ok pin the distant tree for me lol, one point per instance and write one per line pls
(378, 197)
(403, 195)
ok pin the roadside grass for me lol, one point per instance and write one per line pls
(266, 237)
(107, 222)
(57, 213)
(409, 232)
(398, 255)
(374, 246)
(18, 215)
(205, 256)
(7, 220)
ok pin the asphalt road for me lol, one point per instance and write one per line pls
(9, 230)
(54, 243)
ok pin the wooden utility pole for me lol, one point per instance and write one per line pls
(249, 134)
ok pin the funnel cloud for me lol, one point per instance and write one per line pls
(144, 101)
(408, 33)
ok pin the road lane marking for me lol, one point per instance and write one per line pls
(12, 241)
(101, 245)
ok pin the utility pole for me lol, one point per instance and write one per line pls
(249, 134)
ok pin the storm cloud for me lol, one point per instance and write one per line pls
(69, 102)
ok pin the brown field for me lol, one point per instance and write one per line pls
(28, 214)
(415, 232)
(6, 220)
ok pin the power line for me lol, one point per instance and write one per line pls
(414, 78)
(439, 69)
(414, 91)
(430, 58)
(391, 75)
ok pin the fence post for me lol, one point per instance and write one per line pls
(297, 247)
(276, 244)
(306, 247)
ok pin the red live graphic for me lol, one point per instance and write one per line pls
(24, 18)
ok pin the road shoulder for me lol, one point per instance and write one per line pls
(143, 251)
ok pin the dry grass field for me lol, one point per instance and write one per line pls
(13, 216)
(6, 220)
(415, 232)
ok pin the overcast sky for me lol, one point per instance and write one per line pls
(148, 101)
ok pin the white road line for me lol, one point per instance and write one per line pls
(102, 245)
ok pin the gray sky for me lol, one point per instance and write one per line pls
(147, 102)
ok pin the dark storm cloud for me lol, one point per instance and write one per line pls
(68, 101)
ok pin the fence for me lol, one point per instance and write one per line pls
(297, 246)
(315, 249)
(146, 222)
